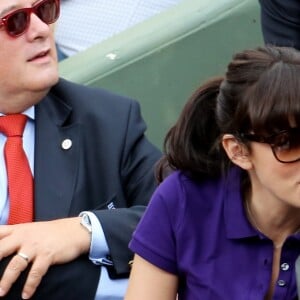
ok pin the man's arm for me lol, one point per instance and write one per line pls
(138, 163)
(132, 166)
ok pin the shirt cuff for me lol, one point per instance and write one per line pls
(99, 249)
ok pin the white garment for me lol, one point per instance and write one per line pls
(83, 23)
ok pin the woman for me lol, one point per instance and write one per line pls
(224, 224)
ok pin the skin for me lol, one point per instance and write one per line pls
(25, 80)
(274, 201)
(274, 197)
(278, 184)
(154, 283)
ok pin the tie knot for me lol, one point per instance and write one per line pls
(13, 125)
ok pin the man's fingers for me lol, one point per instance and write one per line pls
(17, 265)
(13, 270)
(34, 278)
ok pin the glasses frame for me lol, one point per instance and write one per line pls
(28, 11)
(270, 140)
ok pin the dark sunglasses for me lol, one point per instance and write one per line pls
(17, 22)
(285, 144)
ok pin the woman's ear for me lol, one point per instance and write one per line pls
(236, 151)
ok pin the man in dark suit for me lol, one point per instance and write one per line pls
(280, 21)
(89, 156)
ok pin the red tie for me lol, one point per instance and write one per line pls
(19, 177)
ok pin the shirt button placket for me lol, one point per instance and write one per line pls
(281, 283)
(285, 266)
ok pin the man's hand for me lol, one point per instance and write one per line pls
(44, 244)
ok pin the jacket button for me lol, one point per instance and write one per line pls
(66, 144)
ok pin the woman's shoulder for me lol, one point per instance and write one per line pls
(181, 192)
(180, 182)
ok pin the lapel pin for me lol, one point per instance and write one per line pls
(66, 144)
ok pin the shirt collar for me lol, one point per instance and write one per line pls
(29, 112)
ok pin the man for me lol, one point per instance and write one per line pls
(280, 21)
(87, 151)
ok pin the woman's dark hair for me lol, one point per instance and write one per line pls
(260, 93)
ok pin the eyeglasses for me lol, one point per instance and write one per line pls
(285, 144)
(17, 22)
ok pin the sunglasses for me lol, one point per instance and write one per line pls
(285, 144)
(17, 22)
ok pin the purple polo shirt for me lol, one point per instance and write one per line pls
(200, 232)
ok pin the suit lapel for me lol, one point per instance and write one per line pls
(56, 159)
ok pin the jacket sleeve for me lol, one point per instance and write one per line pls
(137, 171)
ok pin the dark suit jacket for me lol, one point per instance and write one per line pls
(110, 164)
(280, 21)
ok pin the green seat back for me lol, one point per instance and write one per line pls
(161, 61)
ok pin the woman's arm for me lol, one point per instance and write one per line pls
(149, 282)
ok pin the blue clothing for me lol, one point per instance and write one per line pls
(60, 55)
(199, 231)
(280, 22)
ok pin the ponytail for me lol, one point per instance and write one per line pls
(259, 93)
(192, 144)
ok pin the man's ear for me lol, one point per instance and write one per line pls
(236, 151)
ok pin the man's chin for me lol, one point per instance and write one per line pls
(45, 81)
